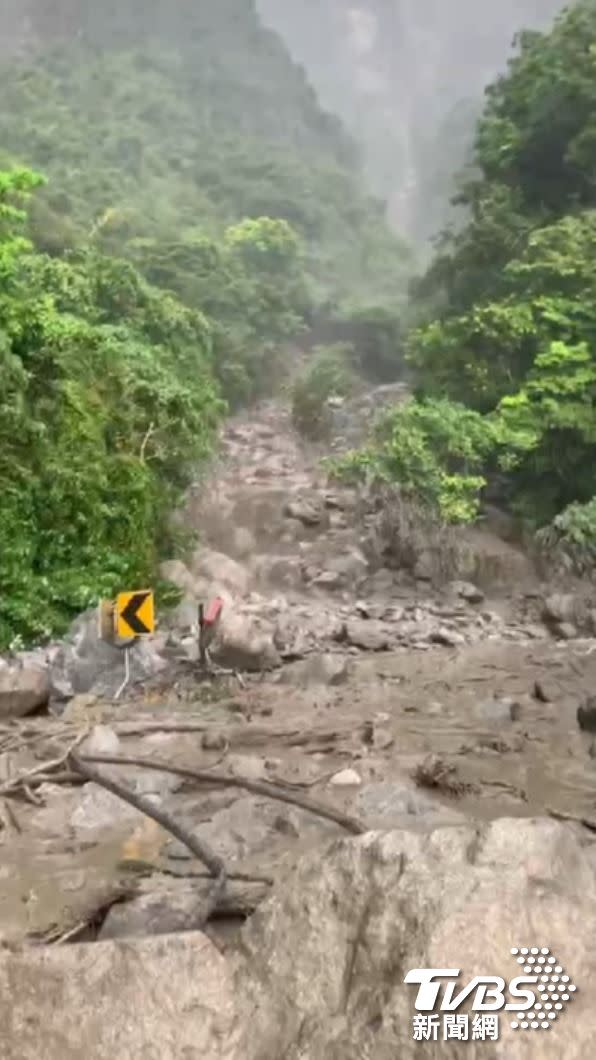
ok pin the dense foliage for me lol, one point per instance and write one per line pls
(200, 211)
(329, 373)
(170, 122)
(511, 297)
(107, 402)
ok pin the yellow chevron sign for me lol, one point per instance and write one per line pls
(135, 614)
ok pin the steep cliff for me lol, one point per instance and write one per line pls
(407, 77)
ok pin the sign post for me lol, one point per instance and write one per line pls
(130, 616)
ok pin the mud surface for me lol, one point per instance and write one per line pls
(431, 701)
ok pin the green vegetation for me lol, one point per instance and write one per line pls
(328, 373)
(510, 304)
(108, 400)
(198, 211)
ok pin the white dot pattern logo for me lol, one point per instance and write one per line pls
(555, 986)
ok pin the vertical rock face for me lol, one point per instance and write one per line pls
(407, 77)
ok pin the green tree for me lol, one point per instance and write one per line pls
(108, 401)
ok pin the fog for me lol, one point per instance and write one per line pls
(407, 78)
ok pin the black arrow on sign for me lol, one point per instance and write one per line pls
(130, 615)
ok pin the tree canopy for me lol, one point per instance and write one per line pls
(508, 306)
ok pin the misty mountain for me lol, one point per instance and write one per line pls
(407, 78)
(184, 114)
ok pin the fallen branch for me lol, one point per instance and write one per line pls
(255, 787)
(24, 780)
(586, 822)
(197, 846)
(247, 735)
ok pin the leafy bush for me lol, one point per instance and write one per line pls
(516, 339)
(329, 374)
(570, 540)
(434, 451)
(101, 424)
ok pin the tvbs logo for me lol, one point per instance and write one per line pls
(537, 997)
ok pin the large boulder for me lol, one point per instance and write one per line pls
(327, 956)
(84, 662)
(243, 642)
(161, 999)
(23, 689)
(221, 572)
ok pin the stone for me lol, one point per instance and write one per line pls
(317, 670)
(346, 778)
(450, 638)
(565, 630)
(280, 571)
(177, 909)
(243, 542)
(366, 911)
(241, 644)
(499, 711)
(98, 809)
(84, 663)
(401, 804)
(586, 715)
(560, 607)
(368, 635)
(220, 571)
(306, 511)
(544, 691)
(102, 740)
(425, 567)
(467, 591)
(22, 690)
(327, 579)
(158, 998)
(213, 741)
(250, 767)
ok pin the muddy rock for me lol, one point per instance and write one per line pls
(243, 644)
(369, 635)
(346, 778)
(130, 999)
(220, 571)
(98, 809)
(499, 711)
(177, 908)
(559, 608)
(450, 638)
(565, 630)
(586, 715)
(102, 740)
(369, 910)
(317, 670)
(250, 767)
(401, 804)
(307, 510)
(282, 572)
(23, 689)
(243, 542)
(349, 568)
(466, 591)
(84, 663)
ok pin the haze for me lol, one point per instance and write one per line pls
(407, 78)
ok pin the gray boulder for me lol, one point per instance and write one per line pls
(23, 689)
(84, 662)
(327, 956)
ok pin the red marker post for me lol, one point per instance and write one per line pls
(208, 624)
